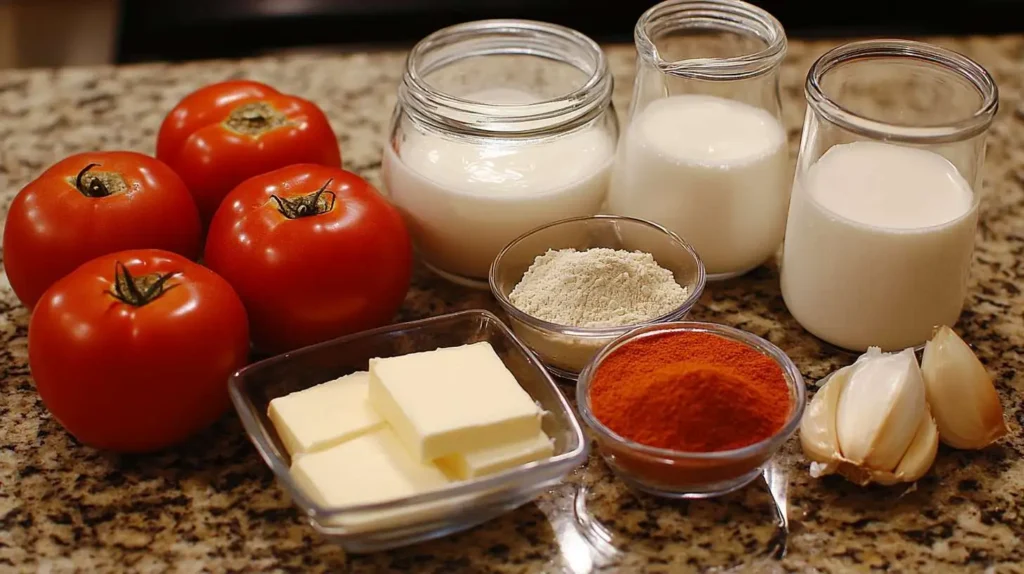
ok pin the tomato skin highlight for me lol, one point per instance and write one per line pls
(213, 158)
(135, 379)
(52, 227)
(310, 279)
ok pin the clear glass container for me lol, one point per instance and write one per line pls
(501, 126)
(884, 211)
(430, 515)
(689, 475)
(705, 152)
(566, 349)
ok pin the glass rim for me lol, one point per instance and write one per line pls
(525, 38)
(791, 373)
(939, 58)
(725, 15)
(696, 290)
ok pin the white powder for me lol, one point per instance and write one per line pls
(597, 288)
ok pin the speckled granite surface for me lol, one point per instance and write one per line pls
(213, 506)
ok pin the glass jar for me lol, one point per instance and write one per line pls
(881, 226)
(501, 126)
(705, 152)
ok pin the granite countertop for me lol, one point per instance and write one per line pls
(212, 505)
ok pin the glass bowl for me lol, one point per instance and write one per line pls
(678, 474)
(566, 349)
(428, 515)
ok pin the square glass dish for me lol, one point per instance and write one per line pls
(429, 515)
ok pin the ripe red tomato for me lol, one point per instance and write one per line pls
(223, 134)
(314, 252)
(91, 204)
(131, 352)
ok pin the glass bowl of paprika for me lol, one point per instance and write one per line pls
(689, 409)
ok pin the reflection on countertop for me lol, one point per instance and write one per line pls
(213, 506)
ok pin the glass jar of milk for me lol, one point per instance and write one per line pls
(882, 222)
(705, 152)
(501, 126)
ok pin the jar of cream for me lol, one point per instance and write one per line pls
(884, 212)
(501, 126)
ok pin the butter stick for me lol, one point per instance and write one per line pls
(372, 468)
(325, 415)
(452, 400)
(474, 464)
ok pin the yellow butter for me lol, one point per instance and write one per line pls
(452, 400)
(325, 415)
(464, 466)
(368, 469)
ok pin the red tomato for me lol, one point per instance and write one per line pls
(223, 134)
(91, 204)
(131, 352)
(314, 252)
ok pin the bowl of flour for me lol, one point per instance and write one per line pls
(573, 286)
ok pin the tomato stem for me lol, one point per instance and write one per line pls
(255, 119)
(306, 205)
(95, 188)
(138, 291)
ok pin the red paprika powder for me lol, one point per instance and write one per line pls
(690, 391)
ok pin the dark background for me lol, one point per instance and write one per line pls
(187, 29)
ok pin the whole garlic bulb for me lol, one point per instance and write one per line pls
(871, 422)
(960, 392)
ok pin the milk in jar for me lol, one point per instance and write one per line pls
(878, 246)
(713, 170)
(500, 127)
(465, 199)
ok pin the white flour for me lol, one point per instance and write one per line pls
(597, 288)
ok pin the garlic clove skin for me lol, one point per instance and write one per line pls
(818, 425)
(820, 469)
(862, 476)
(880, 409)
(961, 394)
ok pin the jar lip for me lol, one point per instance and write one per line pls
(952, 62)
(724, 15)
(511, 37)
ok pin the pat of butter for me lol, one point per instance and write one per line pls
(372, 468)
(452, 400)
(473, 464)
(325, 415)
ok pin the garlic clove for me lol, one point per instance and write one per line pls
(918, 459)
(818, 426)
(921, 454)
(870, 422)
(961, 394)
(879, 410)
